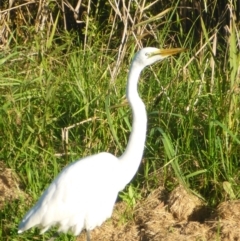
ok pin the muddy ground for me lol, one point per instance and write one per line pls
(178, 216)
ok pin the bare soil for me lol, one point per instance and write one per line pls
(178, 216)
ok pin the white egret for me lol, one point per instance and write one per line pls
(82, 196)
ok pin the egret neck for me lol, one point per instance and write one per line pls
(131, 158)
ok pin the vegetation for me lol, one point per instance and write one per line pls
(57, 76)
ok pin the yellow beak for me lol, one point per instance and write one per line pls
(168, 52)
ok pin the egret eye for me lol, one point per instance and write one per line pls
(147, 54)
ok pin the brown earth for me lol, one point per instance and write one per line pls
(9, 185)
(179, 216)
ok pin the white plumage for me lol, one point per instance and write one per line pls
(82, 196)
(73, 199)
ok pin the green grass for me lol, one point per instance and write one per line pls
(193, 109)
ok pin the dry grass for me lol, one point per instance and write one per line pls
(9, 185)
(178, 216)
(227, 222)
(163, 217)
(182, 204)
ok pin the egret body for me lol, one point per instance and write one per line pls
(82, 196)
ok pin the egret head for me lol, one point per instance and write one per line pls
(150, 55)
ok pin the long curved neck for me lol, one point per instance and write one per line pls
(131, 158)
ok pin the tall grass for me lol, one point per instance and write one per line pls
(58, 84)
